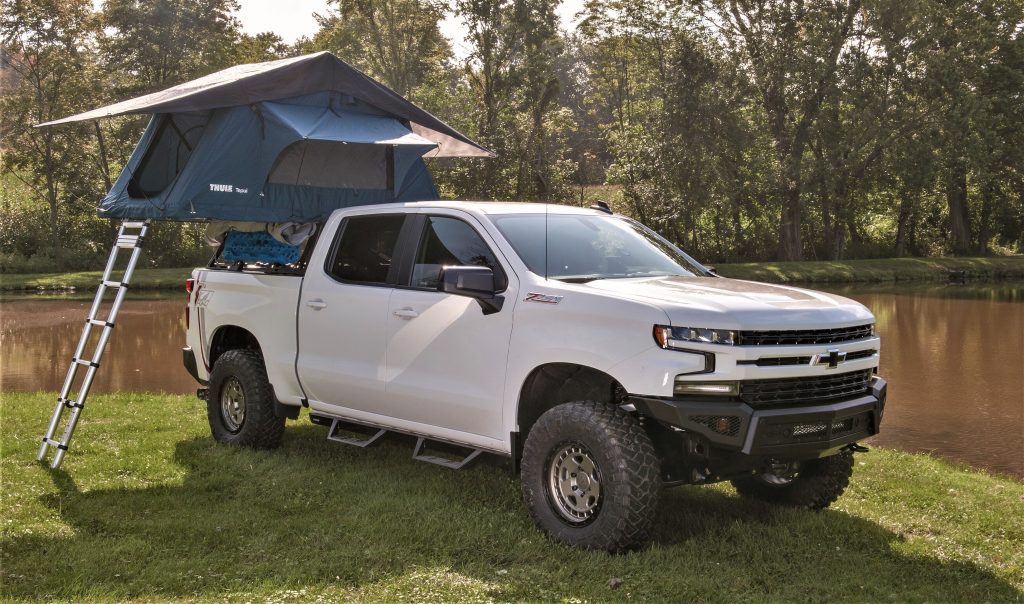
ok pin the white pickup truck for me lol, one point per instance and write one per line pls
(605, 362)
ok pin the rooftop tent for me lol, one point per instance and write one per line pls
(288, 140)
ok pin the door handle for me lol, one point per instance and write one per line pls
(406, 313)
(316, 304)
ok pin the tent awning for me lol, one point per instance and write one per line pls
(288, 78)
(321, 123)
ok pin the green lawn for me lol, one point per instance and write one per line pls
(148, 507)
(143, 278)
(880, 270)
(851, 271)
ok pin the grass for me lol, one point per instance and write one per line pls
(148, 507)
(143, 278)
(879, 270)
(850, 271)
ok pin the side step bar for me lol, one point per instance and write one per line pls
(339, 427)
(454, 464)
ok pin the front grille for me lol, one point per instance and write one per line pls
(802, 336)
(789, 433)
(784, 361)
(804, 390)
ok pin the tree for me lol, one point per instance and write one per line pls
(153, 44)
(511, 71)
(792, 49)
(396, 41)
(49, 45)
(262, 47)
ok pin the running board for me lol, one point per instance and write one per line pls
(453, 464)
(338, 424)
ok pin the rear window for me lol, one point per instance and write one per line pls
(365, 249)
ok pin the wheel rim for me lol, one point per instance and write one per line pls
(781, 476)
(575, 483)
(232, 404)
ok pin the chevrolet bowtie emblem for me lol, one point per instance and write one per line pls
(832, 358)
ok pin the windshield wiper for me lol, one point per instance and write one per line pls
(577, 279)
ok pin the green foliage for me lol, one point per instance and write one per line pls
(148, 508)
(741, 130)
(159, 43)
(395, 41)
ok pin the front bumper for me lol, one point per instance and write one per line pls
(802, 432)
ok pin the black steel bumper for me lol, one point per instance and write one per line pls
(188, 358)
(787, 432)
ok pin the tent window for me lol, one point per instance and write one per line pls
(335, 165)
(167, 155)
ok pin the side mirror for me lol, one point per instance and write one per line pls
(473, 282)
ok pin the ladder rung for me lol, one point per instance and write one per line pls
(55, 443)
(99, 322)
(115, 284)
(133, 224)
(85, 362)
(128, 241)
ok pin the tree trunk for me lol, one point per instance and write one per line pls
(791, 243)
(984, 229)
(737, 229)
(959, 220)
(51, 196)
(903, 220)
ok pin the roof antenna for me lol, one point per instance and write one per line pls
(602, 206)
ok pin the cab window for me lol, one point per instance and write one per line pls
(364, 250)
(449, 241)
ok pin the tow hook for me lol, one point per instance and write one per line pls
(858, 448)
(203, 394)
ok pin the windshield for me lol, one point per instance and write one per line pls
(582, 247)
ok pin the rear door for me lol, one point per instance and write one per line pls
(343, 313)
(446, 360)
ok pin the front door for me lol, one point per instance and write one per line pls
(446, 360)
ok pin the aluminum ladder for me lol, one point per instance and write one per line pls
(129, 237)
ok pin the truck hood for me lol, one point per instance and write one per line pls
(733, 304)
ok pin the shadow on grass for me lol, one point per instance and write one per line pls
(352, 522)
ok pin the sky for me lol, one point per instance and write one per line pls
(292, 19)
(297, 20)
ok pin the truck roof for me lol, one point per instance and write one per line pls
(500, 207)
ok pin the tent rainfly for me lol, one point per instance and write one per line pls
(281, 141)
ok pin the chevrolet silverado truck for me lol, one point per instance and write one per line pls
(601, 359)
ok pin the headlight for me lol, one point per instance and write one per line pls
(676, 337)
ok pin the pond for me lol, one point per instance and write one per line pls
(953, 356)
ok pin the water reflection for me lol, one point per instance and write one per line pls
(953, 355)
(38, 338)
(954, 358)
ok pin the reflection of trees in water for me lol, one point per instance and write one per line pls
(143, 353)
(955, 378)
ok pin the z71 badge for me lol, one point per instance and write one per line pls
(542, 298)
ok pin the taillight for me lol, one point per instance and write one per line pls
(189, 286)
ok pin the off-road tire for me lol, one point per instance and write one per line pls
(260, 428)
(628, 466)
(817, 484)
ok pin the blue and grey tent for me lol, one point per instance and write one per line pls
(282, 141)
